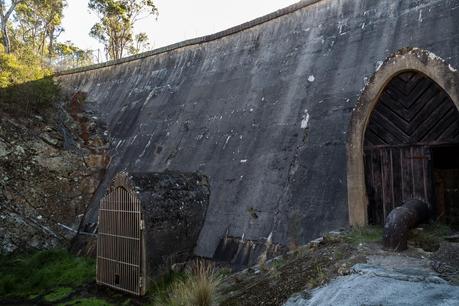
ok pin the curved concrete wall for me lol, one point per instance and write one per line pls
(263, 112)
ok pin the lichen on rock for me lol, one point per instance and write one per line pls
(45, 185)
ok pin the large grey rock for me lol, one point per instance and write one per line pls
(388, 280)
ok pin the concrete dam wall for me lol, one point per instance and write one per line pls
(262, 109)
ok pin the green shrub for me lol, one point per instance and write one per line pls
(34, 96)
(18, 69)
(25, 85)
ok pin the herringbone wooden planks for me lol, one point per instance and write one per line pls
(413, 110)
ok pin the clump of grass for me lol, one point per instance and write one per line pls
(224, 272)
(277, 263)
(58, 294)
(87, 302)
(161, 288)
(126, 302)
(35, 273)
(364, 234)
(318, 276)
(199, 288)
(429, 236)
(262, 262)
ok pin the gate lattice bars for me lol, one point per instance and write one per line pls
(120, 239)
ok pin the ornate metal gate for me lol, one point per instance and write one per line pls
(120, 252)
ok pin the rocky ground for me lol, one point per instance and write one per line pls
(384, 280)
(50, 166)
(351, 268)
(341, 268)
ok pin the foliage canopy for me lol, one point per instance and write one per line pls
(116, 23)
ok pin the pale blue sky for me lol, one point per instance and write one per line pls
(178, 19)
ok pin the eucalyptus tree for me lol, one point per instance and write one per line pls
(6, 10)
(140, 43)
(116, 23)
(39, 24)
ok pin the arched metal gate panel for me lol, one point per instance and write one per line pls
(120, 251)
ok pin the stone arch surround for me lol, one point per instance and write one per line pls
(407, 59)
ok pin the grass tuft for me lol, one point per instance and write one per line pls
(429, 236)
(58, 294)
(197, 289)
(364, 234)
(161, 288)
(87, 302)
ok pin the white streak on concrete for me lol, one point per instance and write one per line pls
(305, 121)
(226, 142)
(145, 149)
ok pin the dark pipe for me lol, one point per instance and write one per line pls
(399, 222)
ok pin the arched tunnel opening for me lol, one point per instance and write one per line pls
(445, 164)
(411, 149)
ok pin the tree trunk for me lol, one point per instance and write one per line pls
(4, 22)
(6, 38)
(51, 44)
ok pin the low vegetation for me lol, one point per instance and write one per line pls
(87, 302)
(48, 273)
(18, 69)
(26, 87)
(60, 278)
(429, 236)
(364, 234)
(34, 97)
(198, 288)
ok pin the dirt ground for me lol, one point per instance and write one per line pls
(317, 263)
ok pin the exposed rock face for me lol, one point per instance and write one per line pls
(47, 178)
(174, 207)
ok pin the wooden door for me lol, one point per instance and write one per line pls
(394, 175)
(412, 115)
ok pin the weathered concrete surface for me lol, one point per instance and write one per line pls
(262, 112)
(385, 280)
(174, 209)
